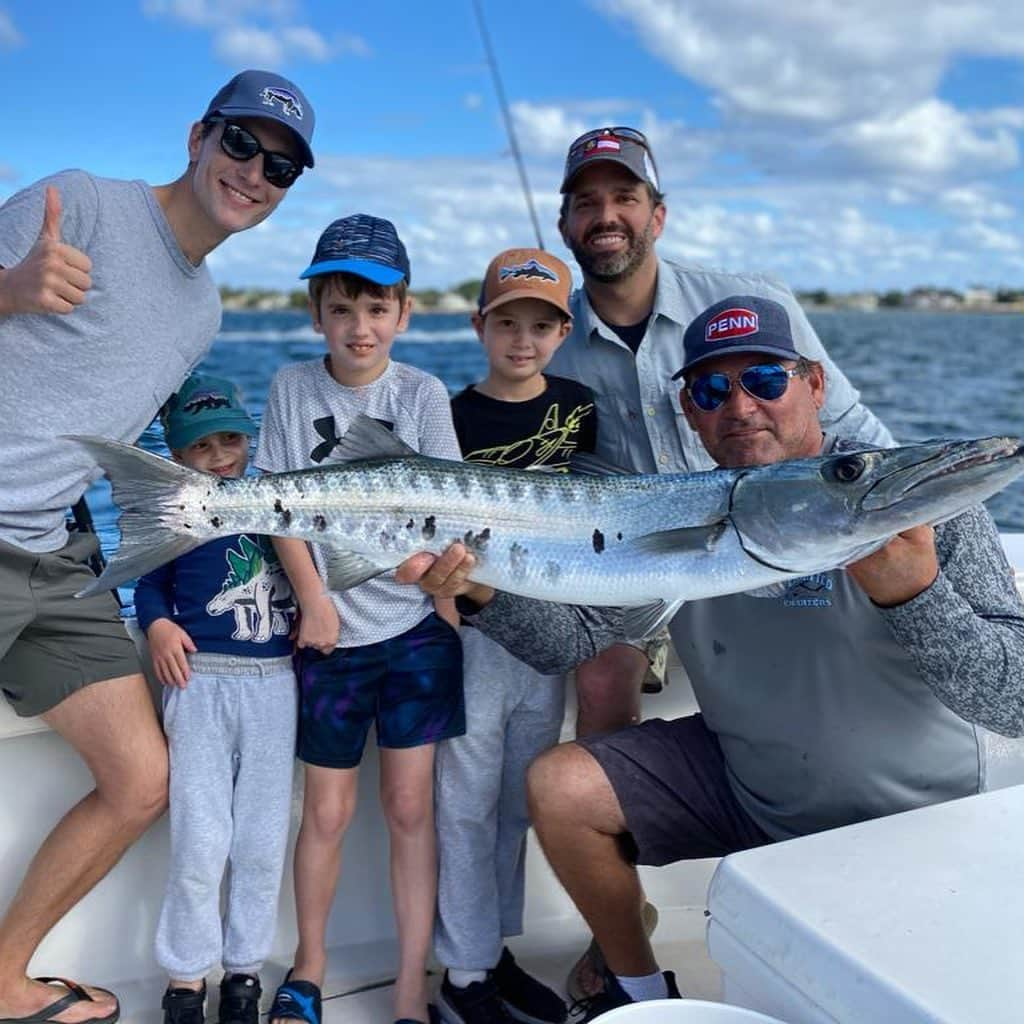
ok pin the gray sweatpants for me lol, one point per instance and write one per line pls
(513, 713)
(231, 737)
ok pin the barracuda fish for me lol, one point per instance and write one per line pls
(600, 538)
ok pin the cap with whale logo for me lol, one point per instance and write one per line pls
(525, 274)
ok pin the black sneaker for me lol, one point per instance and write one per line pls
(478, 1003)
(526, 998)
(184, 1005)
(239, 999)
(613, 997)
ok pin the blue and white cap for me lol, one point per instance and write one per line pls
(362, 245)
(264, 94)
(740, 323)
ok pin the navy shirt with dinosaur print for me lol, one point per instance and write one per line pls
(231, 596)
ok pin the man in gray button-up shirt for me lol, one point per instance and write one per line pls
(626, 342)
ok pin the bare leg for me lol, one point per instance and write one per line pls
(327, 808)
(608, 690)
(113, 727)
(407, 792)
(578, 822)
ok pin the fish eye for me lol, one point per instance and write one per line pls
(847, 468)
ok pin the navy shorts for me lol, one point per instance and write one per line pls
(670, 781)
(409, 685)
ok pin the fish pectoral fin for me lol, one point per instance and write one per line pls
(345, 569)
(687, 538)
(776, 589)
(588, 464)
(647, 620)
(366, 438)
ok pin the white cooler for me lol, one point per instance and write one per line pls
(912, 918)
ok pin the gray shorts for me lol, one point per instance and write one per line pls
(52, 643)
(669, 778)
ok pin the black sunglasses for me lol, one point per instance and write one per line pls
(240, 144)
(621, 132)
(766, 382)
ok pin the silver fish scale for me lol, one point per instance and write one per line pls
(561, 536)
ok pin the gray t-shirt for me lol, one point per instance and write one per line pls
(103, 369)
(307, 411)
(829, 709)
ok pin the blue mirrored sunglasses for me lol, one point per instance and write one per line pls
(766, 382)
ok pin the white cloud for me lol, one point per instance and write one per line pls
(840, 88)
(265, 32)
(10, 37)
(472, 101)
(932, 138)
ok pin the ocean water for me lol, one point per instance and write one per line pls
(924, 374)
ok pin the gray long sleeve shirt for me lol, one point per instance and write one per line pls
(832, 710)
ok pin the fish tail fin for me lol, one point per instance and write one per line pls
(147, 488)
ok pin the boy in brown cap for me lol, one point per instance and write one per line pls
(517, 417)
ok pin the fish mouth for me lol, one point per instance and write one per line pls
(971, 462)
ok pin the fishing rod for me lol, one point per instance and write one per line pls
(509, 127)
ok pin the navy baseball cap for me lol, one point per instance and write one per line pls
(264, 94)
(204, 405)
(740, 323)
(362, 245)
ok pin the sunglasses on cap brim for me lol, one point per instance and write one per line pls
(766, 382)
(240, 144)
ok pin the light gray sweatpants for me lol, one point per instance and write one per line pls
(513, 713)
(231, 737)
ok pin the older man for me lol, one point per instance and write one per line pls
(848, 696)
(628, 323)
(106, 303)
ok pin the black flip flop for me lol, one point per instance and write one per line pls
(76, 994)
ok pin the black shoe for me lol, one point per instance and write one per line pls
(239, 999)
(478, 1003)
(613, 997)
(184, 1005)
(525, 998)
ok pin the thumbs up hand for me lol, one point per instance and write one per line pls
(53, 277)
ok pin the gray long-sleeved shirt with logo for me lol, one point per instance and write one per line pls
(829, 709)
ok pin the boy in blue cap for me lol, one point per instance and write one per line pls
(84, 261)
(218, 621)
(378, 652)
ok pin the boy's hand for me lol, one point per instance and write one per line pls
(53, 277)
(169, 646)
(319, 624)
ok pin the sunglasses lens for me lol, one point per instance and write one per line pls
(280, 170)
(238, 143)
(709, 391)
(765, 382)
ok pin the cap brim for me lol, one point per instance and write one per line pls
(523, 293)
(372, 271)
(610, 158)
(728, 350)
(305, 152)
(233, 422)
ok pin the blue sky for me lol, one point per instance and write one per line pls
(867, 144)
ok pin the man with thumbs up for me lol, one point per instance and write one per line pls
(106, 304)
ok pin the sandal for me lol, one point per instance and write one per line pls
(296, 1000)
(75, 994)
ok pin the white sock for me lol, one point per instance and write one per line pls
(649, 986)
(463, 979)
